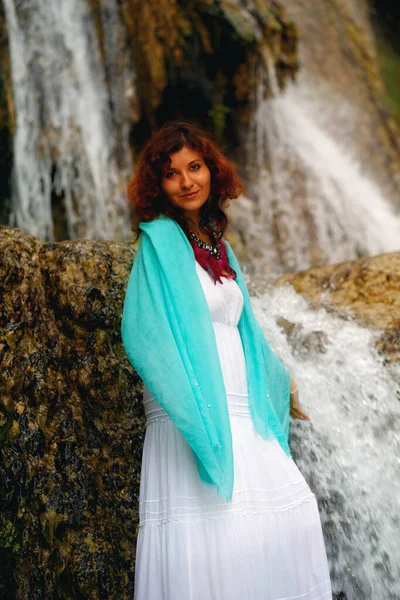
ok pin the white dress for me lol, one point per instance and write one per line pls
(267, 544)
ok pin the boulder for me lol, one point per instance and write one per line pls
(367, 289)
(71, 421)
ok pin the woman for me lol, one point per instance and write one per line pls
(225, 513)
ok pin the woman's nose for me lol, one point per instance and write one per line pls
(186, 181)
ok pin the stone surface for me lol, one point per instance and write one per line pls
(197, 60)
(368, 289)
(71, 421)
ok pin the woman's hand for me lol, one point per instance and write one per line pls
(295, 411)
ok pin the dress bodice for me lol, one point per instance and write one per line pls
(225, 300)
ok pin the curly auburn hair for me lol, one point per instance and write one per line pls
(144, 189)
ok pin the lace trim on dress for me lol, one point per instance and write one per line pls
(181, 497)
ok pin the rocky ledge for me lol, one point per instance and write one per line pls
(367, 289)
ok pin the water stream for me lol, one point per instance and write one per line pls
(315, 202)
(350, 452)
(71, 141)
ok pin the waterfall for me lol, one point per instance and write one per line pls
(74, 94)
(311, 202)
(349, 453)
(315, 203)
(71, 142)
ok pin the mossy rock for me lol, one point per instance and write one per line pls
(71, 421)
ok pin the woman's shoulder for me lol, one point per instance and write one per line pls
(159, 224)
(165, 236)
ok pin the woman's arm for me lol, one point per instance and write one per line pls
(295, 411)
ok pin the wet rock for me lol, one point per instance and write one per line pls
(367, 289)
(71, 421)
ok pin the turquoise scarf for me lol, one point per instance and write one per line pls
(169, 339)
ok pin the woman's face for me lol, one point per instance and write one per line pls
(187, 182)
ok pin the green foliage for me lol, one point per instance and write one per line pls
(389, 60)
(218, 115)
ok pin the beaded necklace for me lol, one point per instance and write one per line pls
(212, 257)
(212, 248)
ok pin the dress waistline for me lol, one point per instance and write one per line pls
(238, 404)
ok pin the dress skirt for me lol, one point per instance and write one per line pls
(267, 543)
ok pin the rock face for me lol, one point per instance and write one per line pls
(198, 60)
(70, 419)
(368, 288)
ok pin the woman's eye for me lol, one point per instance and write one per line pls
(169, 174)
(196, 166)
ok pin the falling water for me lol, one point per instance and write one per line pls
(71, 143)
(315, 204)
(350, 452)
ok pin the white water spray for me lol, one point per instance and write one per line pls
(68, 145)
(350, 452)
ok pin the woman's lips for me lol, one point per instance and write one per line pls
(192, 195)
